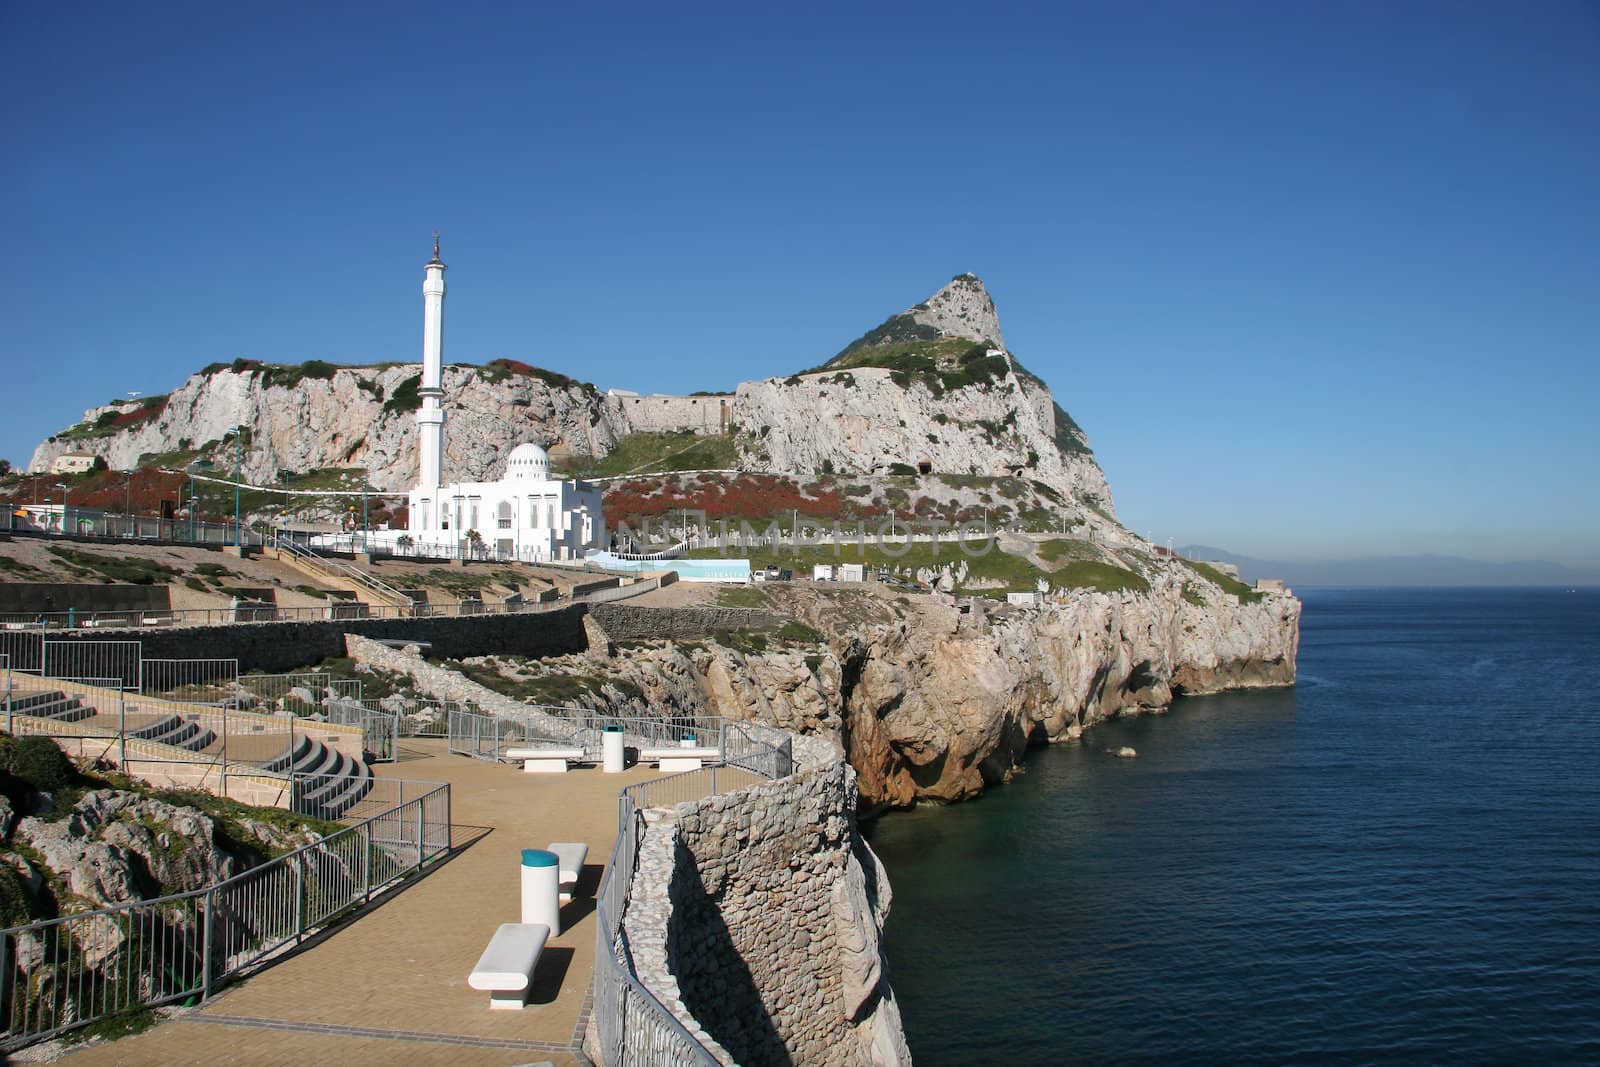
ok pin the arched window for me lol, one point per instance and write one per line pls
(503, 515)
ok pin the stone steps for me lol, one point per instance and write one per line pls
(52, 705)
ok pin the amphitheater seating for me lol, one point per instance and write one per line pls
(52, 704)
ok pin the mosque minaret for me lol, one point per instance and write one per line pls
(430, 420)
(526, 515)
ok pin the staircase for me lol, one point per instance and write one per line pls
(328, 783)
(52, 704)
(341, 575)
(176, 731)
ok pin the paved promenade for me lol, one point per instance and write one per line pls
(390, 987)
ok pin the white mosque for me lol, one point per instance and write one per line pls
(526, 515)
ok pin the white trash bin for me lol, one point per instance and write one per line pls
(612, 758)
(541, 889)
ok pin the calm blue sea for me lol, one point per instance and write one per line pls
(1397, 861)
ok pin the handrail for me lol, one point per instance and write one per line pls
(150, 952)
(335, 568)
(632, 1023)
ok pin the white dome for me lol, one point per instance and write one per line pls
(528, 462)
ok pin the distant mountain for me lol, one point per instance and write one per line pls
(1400, 570)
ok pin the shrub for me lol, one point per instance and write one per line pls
(405, 398)
(40, 762)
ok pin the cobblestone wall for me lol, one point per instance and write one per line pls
(767, 936)
(629, 622)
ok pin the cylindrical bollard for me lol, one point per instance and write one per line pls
(688, 741)
(541, 889)
(611, 756)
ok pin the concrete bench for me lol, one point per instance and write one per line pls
(505, 970)
(151, 619)
(569, 863)
(679, 759)
(545, 760)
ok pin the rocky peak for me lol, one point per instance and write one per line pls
(961, 309)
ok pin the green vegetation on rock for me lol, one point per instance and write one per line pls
(404, 397)
(1232, 586)
(676, 451)
(130, 569)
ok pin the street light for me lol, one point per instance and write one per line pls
(238, 442)
(65, 503)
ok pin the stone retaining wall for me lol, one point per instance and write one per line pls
(756, 917)
(283, 646)
(630, 622)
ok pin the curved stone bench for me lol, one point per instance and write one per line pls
(505, 970)
(569, 860)
(679, 759)
(545, 760)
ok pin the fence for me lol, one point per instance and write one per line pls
(302, 693)
(486, 736)
(63, 973)
(633, 1026)
(380, 729)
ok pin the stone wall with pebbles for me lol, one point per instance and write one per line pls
(756, 916)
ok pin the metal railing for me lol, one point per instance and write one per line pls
(634, 1027)
(380, 728)
(62, 973)
(337, 569)
(40, 622)
(485, 735)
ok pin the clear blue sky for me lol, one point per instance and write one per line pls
(1319, 280)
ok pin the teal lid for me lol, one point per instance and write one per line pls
(613, 729)
(538, 857)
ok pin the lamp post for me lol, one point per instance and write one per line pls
(238, 445)
(127, 505)
(65, 505)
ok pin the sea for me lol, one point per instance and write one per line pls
(1395, 861)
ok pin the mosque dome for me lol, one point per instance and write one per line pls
(528, 462)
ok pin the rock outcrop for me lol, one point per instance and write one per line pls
(926, 391)
(936, 700)
(356, 417)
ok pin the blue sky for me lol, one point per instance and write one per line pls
(1319, 280)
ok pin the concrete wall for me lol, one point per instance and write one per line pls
(282, 646)
(33, 597)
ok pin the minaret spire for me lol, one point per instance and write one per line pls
(430, 419)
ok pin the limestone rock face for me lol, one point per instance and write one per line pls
(939, 704)
(859, 420)
(961, 309)
(938, 711)
(341, 421)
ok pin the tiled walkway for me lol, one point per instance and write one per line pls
(390, 987)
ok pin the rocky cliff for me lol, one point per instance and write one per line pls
(934, 698)
(362, 417)
(932, 389)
